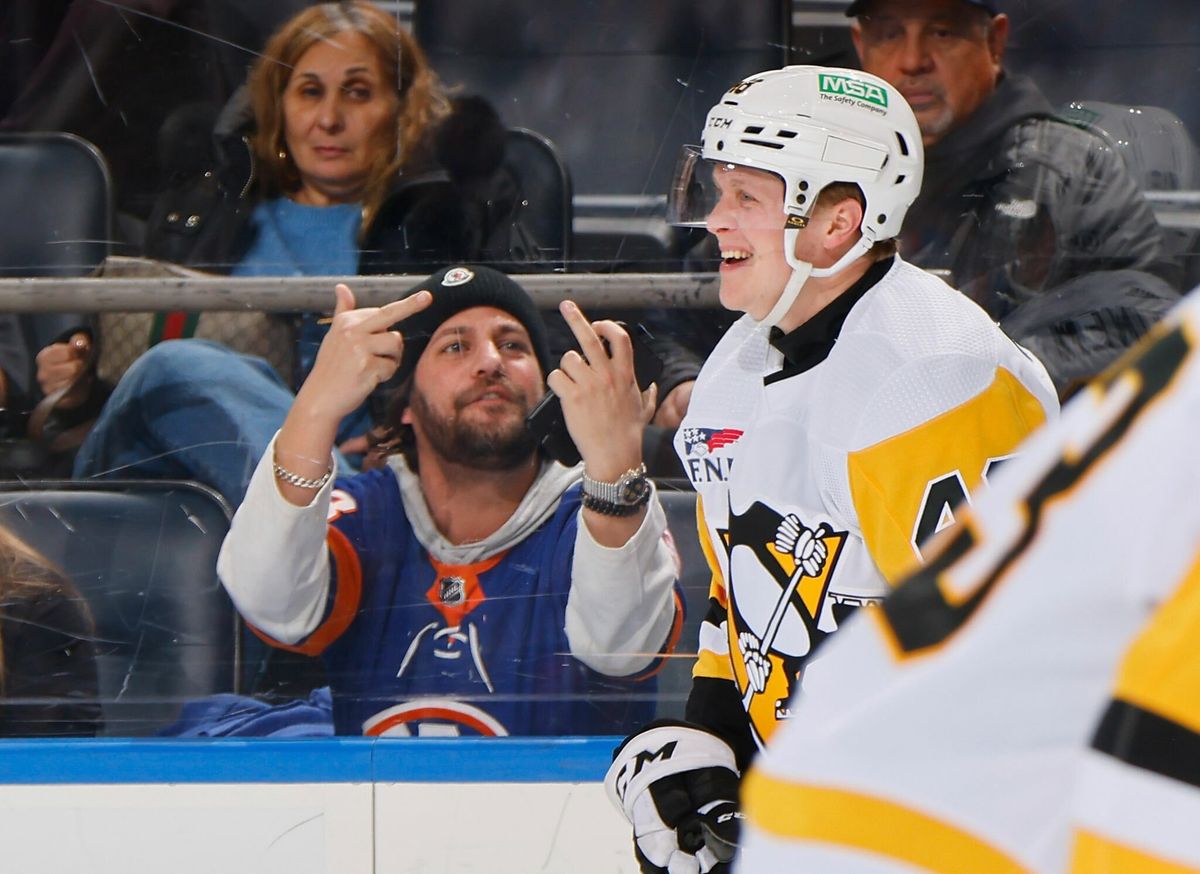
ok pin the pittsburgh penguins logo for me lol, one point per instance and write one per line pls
(780, 569)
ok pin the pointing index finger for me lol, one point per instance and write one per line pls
(399, 310)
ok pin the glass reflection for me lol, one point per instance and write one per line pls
(546, 149)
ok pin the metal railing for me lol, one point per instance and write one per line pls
(127, 287)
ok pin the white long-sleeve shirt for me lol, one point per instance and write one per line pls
(621, 606)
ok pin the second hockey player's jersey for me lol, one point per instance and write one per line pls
(1030, 700)
(822, 472)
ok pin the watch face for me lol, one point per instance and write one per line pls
(634, 489)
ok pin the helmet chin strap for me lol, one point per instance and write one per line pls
(802, 270)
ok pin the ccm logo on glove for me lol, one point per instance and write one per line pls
(640, 760)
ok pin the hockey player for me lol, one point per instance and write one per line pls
(839, 422)
(470, 586)
(1030, 700)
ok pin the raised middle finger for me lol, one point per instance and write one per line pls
(589, 341)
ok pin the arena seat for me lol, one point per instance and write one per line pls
(55, 221)
(56, 205)
(143, 554)
(542, 226)
(1161, 155)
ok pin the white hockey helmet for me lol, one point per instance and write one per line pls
(811, 126)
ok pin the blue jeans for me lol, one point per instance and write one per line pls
(189, 409)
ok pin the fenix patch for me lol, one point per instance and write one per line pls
(701, 446)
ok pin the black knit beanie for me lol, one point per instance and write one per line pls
(461, 287)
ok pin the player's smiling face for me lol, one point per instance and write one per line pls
(748, 222)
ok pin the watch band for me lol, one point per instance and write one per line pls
(624, 497)
(607, 508)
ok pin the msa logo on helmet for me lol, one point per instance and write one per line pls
(844, 86)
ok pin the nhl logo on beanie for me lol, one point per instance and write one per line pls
(457, 276)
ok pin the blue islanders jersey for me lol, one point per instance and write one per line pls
(413, 646)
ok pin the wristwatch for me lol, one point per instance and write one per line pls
(625, 497)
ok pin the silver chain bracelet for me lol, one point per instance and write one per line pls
(285, 475)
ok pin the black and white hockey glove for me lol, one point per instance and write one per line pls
(677, 785)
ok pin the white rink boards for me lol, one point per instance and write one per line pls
(345, 806)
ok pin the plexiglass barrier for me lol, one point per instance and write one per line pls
(182, 190)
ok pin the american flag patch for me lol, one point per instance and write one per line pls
(702, 441)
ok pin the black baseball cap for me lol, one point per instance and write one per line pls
(856, 7)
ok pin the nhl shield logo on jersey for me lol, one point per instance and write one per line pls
(452, 590)
(701, 447)
(781, 566)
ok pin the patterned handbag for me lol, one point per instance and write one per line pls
(125, 336)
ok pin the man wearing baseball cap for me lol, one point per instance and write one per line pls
(942, 56)
(469, 586)
(1036, 219)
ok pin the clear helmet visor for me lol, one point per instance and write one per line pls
(699, 183)
(693, 194)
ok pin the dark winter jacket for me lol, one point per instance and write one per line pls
(438, 210)
(1016, 204)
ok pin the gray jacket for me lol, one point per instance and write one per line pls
(1016, 204)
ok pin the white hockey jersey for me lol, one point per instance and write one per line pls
(1030, 700)
(818, 484)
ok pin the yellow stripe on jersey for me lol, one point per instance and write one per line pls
(1095, 854)
(893, 483)
(1160, 671)
(709, 664)
(716, 588)
(872, 824)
